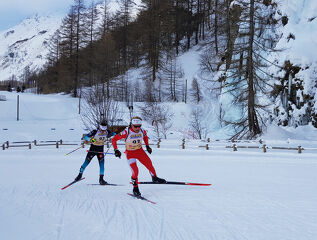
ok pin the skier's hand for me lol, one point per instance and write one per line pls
(148, 149)
(93, 140)
(117, 153)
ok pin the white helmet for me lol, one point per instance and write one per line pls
(136, 121)
(103, 125)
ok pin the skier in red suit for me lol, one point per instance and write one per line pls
(133, 137)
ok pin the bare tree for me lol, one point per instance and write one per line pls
(170, 75)
(195, 91)
(197, 123)
(160, 117)
(98, 107)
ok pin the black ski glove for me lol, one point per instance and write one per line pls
(148, 149)
(117, 153)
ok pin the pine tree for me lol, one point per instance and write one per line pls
(244, 74)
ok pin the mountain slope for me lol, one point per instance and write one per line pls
(25, 45)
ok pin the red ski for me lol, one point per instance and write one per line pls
(178, 183)
(71, 183)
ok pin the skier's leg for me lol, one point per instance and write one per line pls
(86, 163)
(88, 158)
(146, 161)
(101, 160)
(134, 168)
(134, 177)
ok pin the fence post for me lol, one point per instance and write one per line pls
(35, 142)
(207, 147)
(299, 149)
(234, 147)
(61, 142)
(29, 145)
(56, 144)
(158, 144)
(7, 142)
(264, 148)
(208, 139)
(3, 147)
(183, 144)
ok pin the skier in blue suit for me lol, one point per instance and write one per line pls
(97, 139)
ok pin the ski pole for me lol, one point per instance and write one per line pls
(100, 152)
(73, 151)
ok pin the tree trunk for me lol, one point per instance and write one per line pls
(254, 128)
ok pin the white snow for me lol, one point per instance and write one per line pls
(254, 195)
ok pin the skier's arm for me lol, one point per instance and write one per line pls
(90, 136)
(118, 137)
(146, 141)
(145, 138)
(110, 134)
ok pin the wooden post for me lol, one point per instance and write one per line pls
(208, 139)
(158, 144)
(35, 142)
(264, 148)
(18, 106)
(234, 147)
(183, 145)
(29, 145)
(56, 144)
(207, 147)
(299, 149)
(7, 142)
(3, 146)
(61, 142)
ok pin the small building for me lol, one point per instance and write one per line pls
(118, 126)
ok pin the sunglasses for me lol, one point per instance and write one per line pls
(137, 126)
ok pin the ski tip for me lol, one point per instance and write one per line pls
(199, 184)
(72, 183)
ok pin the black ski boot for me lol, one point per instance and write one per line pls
(156, 179)
(101, 181)
(136, 191)
(80, 175)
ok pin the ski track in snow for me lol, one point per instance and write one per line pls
(253, 196)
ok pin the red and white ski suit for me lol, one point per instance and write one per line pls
(134, 150)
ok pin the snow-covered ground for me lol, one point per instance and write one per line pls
(254, 195)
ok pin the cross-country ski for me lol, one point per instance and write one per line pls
(107, 184)
(141, 198)
(75, 181)
(177, 183)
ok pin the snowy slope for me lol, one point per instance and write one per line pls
(24, 45)
(254, 195)
(300, 50)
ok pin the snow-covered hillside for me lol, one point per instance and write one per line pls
(297, 47)
(25, 45)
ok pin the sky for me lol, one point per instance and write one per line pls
(12, 12)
